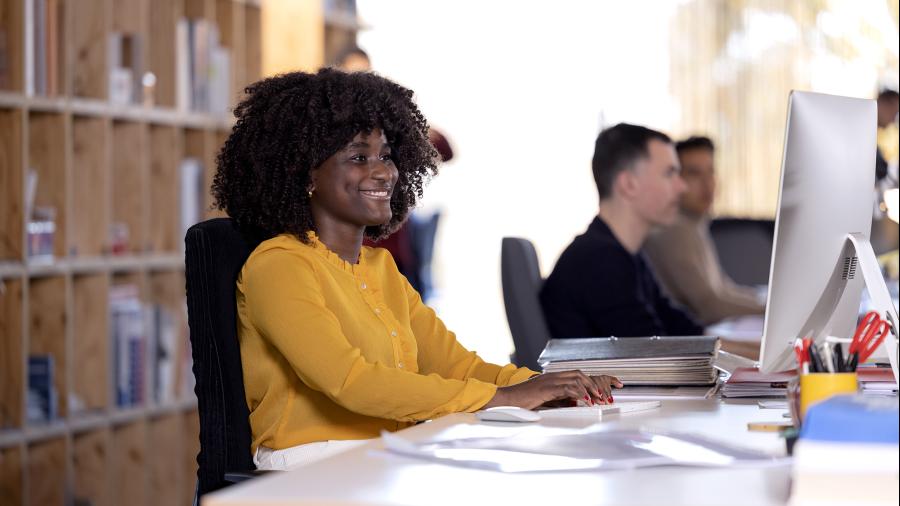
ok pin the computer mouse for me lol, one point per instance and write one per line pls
(507, 414)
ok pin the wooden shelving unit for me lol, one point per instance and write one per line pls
(101, 166)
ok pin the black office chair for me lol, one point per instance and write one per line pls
(521, 277)
(215, 251)
(744, 247)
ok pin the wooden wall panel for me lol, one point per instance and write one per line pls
(47, 156)
(90, 27)
(91, 348)
(47, 473)
(129, 464)
(12, 378)
(11, 485)
(11, 185)
(166, 469)
(47, 322)
(165, 157)
(90, 464)
(190, 449)
(131, 150)
(90, 194)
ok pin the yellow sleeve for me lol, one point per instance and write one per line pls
(440, 353)
(286, 305)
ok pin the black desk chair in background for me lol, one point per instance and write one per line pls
(744, 247)
(522, 281)
(215, 251)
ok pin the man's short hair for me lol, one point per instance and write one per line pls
(695, 142)
(617, 148)
(888, 94)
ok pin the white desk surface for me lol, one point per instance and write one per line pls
(369, 475)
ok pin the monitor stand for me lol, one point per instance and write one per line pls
(878, 293)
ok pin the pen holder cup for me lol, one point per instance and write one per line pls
(816, 387)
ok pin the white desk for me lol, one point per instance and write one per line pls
(369, 475)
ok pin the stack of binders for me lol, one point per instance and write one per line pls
(664, 361)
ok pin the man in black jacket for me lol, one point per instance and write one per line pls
(602, 285)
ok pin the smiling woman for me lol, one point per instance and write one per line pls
(336, 345)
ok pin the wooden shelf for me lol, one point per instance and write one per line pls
(92, 421)
(93, 265)
(111, 170)
(101, 108)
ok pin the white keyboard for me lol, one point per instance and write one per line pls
(598, 410)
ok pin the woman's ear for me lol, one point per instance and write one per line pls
(313, 179)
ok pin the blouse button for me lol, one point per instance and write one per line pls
(377, 310)
(393, 333)
(363, 286)
(400, 365)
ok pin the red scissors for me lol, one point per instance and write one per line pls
(801, 349)
(868, 337)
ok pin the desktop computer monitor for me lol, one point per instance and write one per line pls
(826, 198)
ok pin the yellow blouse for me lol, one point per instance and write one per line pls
(333, 350)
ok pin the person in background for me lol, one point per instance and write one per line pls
(354, 59)
(411, 245)
(885, 236)
(601, 284)
(887, 151)
(336, 346)
(683, 255)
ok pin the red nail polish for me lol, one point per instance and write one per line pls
(611, 400)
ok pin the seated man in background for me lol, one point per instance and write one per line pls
(601, 285)
(683, 255)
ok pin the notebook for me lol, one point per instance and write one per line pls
(668, 360)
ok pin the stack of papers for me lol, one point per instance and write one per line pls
(877, 380)
(671, 360)
(749, 382)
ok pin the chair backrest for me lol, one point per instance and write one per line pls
(215, 251)
(521, 277)
(744, 247)
(423, 234)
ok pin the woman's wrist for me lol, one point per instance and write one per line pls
(499, 399)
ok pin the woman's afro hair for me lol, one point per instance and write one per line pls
(290, 124)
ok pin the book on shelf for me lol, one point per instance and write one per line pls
(42, 399)
(192, 193)
(126, 68)
(44, 46)
(657, 360)
(202, 67)
(129, 344)
(164, 339)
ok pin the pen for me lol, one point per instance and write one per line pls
(815, 360)
(828, 358)
(839, 358)
(852, 360)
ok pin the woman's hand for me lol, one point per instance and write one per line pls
(548, 387)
